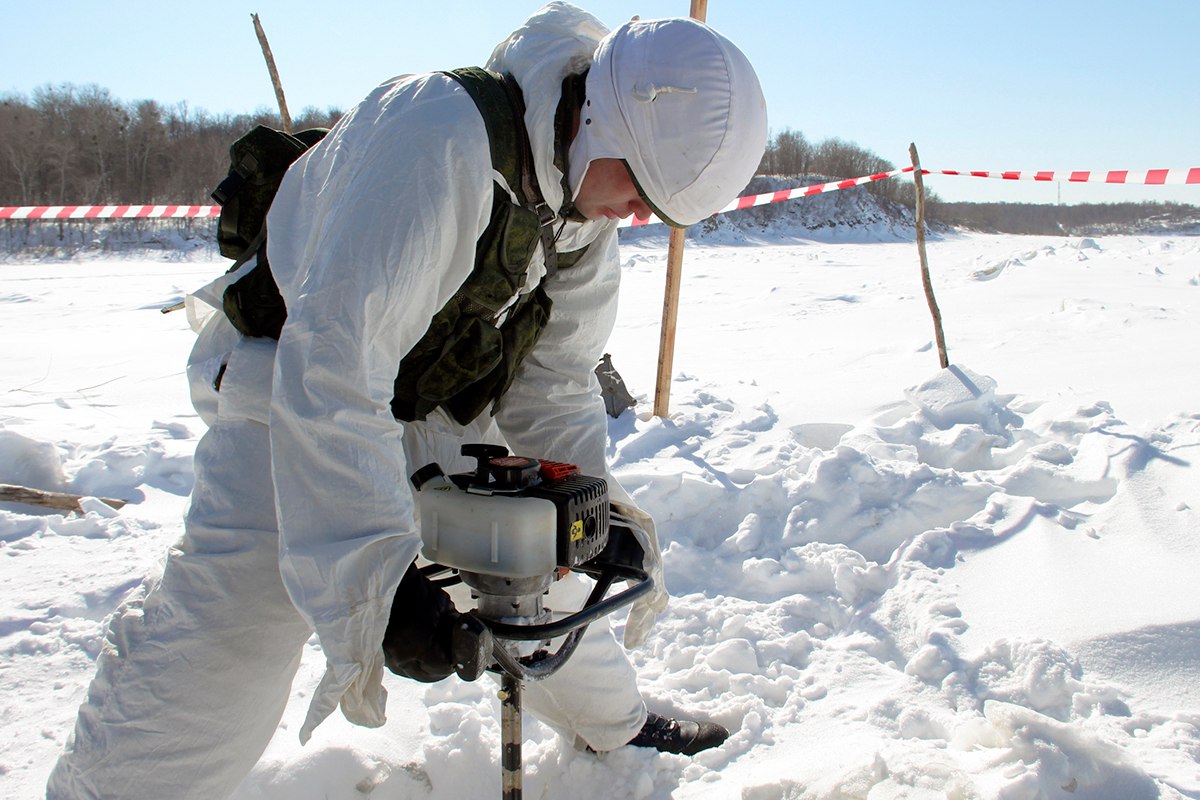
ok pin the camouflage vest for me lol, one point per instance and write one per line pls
(469, 355)
(474, 345)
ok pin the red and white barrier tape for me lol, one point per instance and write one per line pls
(1150, 177)
(782, 194)
(108, 212)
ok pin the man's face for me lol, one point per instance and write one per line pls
(608, 192)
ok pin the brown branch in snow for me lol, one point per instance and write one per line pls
(41, 497)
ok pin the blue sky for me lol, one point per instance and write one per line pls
(1049, 85)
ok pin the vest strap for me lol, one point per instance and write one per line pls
(500, 93)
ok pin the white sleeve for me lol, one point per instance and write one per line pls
(370, 234)
(554, 408)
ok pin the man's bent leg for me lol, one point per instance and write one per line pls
(197, 665)
(594, 696)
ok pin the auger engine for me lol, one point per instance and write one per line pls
(508, 530)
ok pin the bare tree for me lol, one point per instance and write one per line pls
(99, 124)
(788, 153)
(19, 151)
(146, 156)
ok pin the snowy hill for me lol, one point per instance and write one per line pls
(848, 215)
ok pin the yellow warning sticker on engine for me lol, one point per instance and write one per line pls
(576, 530)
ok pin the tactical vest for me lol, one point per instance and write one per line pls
(469, 355)
(474, 345)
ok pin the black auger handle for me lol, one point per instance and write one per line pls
(573, 626)
(541, 664)
(597, 605)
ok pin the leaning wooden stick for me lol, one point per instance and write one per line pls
(925, 280)
(266, 48)
(41, 497)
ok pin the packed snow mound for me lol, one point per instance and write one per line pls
(28, 462)
(817, 589)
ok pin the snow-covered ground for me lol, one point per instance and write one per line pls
(889, 580)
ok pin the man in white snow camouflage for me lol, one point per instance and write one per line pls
(301, 518)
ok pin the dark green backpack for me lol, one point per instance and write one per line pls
(258, 162)
(470, 353)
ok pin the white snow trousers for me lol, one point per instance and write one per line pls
(197, 664)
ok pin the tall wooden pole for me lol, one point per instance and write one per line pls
(666, 336)
(666, 341)
(266, 49)
(925, 280)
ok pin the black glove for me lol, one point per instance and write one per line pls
(623, 548)
(427, 639)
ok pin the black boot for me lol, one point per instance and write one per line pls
(682, 736)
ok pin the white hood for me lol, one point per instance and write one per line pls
(683, 107)
(557, 41)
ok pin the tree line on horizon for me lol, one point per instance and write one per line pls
(78, 145)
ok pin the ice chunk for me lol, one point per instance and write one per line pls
(957, 396)
(30, 462)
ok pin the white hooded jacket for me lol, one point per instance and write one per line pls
(371, 233)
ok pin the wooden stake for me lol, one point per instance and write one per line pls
(266, 49)
(666, 340)
(939, 336)
(40, 497)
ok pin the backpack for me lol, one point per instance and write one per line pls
(470, 354)
(258, 162)
(260, 158)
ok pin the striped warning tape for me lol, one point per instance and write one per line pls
(1150, 177)
(108, 212)
(782, 194)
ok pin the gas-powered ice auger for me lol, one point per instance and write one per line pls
(508, 529)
